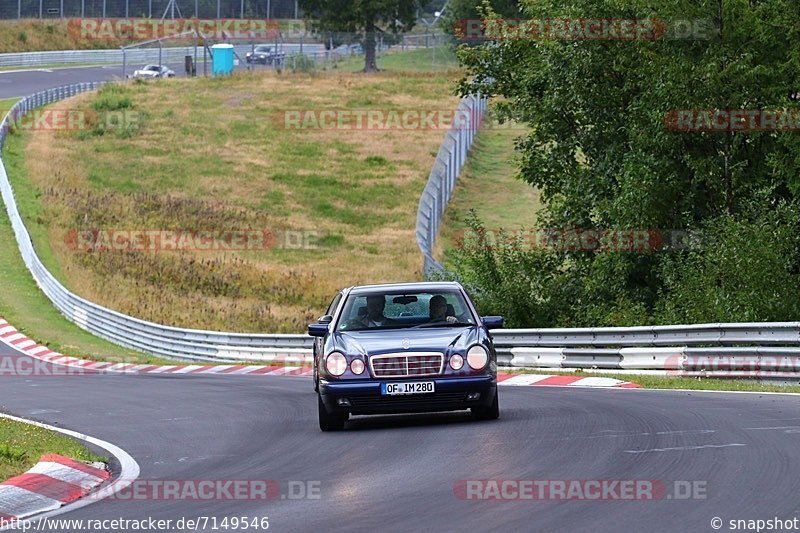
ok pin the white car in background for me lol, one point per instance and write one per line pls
(154, 71)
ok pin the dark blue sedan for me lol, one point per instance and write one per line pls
(403, 348)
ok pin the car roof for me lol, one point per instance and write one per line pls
(417, 286)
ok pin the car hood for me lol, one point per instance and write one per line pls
(440, 339)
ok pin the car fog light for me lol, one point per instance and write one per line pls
(357, 366)
(343, 402)
(456, 362)
(473, 396)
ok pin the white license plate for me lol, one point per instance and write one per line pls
(407, 387)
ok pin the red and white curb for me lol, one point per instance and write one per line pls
(10, 336)
(18, 341)
(128, 473)
(53, 482)
(544, 380)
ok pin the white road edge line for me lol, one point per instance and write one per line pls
(682, 448)
(130, 471)
(704, 391)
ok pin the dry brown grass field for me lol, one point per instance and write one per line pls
(213, 154)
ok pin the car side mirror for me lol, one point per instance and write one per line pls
(318, 330)
(492, 322)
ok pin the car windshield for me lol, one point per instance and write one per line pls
(262, 48)
(416, 309)
(152, 67)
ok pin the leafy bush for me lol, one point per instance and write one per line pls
(112, 97)
(742, 269)
(745, 271)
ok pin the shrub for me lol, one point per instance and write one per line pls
(112, 97)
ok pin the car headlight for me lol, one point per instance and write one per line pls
(336, 363)
(456, 362)
(477, 357)
(357, 366)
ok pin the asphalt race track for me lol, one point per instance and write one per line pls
(399, 472)
(21, 83)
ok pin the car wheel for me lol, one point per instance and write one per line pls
(328, 421)
(487, 413)
(316, 379)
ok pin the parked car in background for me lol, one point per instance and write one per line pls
(400, 348)
(154, 71)
(349, 50)
(263, 53)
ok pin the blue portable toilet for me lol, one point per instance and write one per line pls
(222, 59)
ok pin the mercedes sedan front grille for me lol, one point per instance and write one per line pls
(399, 365)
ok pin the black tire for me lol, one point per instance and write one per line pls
(488, 413)
(316, 379)
(328, 421)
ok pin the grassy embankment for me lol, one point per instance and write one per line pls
(21, 446)
(216, 154)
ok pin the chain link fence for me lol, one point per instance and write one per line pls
(277, 9)
(442, 180)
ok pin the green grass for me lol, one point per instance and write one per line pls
(22, 303)
(21, 446)
(421, 60)
(5, 105)
(26, 307)
(488, 184)
(677, 382)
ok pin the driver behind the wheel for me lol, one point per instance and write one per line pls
(438, 310)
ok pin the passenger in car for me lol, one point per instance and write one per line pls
(440, 311)
(374, 317)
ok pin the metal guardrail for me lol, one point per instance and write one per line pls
(649, 347)
(133, 56)
(735, 361)
(605, 347)
(442, 179)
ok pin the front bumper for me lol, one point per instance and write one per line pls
(364, 396)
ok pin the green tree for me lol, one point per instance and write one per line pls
(601, 151)
(364, 17)
(459, 11)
